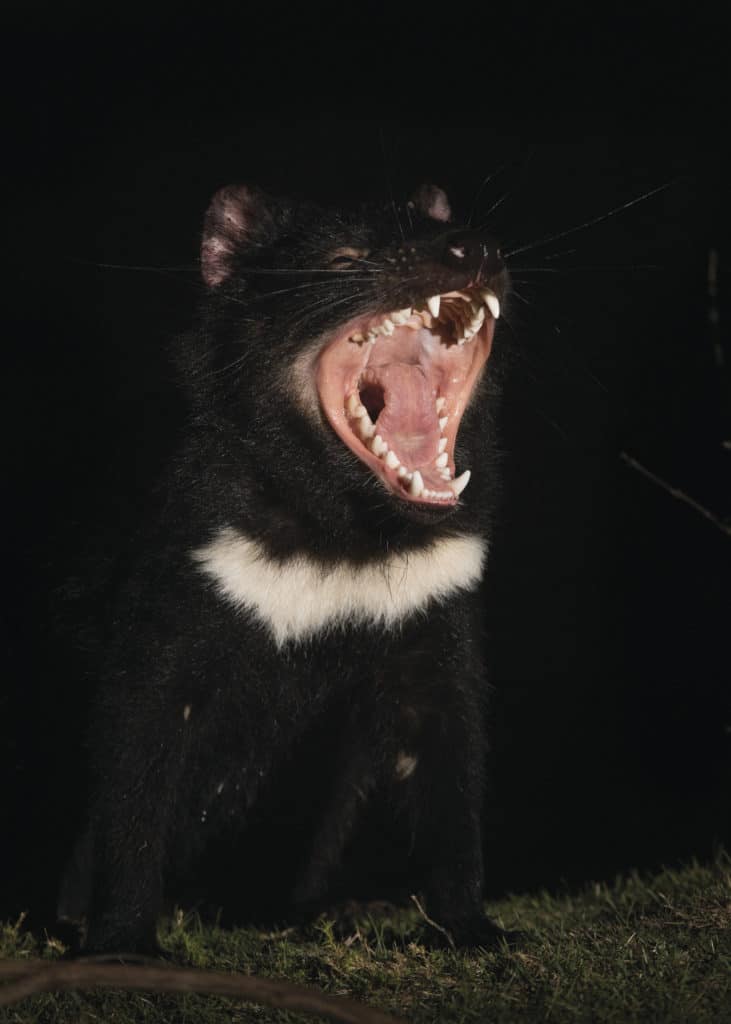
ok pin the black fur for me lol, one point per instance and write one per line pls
(197, 709)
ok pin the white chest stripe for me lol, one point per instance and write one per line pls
(300, 597)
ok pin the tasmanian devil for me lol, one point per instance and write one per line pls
(319, 542)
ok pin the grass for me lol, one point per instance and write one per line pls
(639, 949)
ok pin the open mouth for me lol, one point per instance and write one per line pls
(395, 387)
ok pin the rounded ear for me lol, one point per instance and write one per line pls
(237, 215)
(432, 201)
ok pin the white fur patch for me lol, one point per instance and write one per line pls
(300, 597)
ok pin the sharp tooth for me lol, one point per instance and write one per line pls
(441, 402)
(442, 443)
(459, 484)
(378, 446)
(416, 486)
(387, 326)
(391, 461)
(443, 422)
(478, 320)
(355, 407)
(441, 460)
(366, 429)
(492, 302)
(433, 305)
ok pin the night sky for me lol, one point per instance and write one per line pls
(607, 597)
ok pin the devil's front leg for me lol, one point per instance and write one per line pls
(141, 748)
(354, 779)
(438, 786)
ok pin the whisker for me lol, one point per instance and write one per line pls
(295, 271)
(594, 220)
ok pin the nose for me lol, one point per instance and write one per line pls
(475, 253)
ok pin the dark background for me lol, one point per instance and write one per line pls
(606, 601)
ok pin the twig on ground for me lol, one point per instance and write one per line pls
(28, 978)
(415, 900)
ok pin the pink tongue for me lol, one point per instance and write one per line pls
(408, 422)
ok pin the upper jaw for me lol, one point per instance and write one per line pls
(394, 388)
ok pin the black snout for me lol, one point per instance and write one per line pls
(474, 253)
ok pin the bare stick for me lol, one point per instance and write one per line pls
(29, 978)
(415, 900)
(680, 495)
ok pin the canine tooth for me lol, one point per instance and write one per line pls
(433, 305)
(441, 402)
(387, 327)
(391, 461)
(441, 460)
(460, 482)
(416, 487)
(443, 422)
(492, 302)
(442, 444)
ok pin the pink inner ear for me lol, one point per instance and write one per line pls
(432, 202)
(234, 209)
(215, 257)
(227, 224)
(439, 208)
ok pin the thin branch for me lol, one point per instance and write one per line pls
(415, 900)
(676, 493)
(28, 978)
